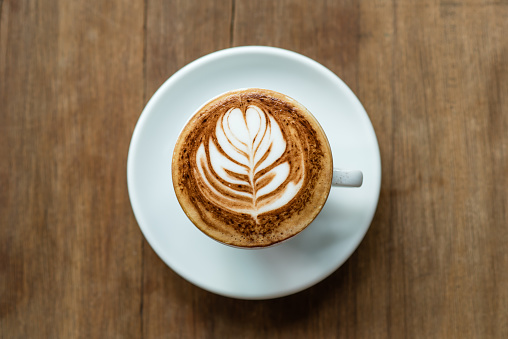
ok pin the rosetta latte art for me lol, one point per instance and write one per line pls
(242, 169)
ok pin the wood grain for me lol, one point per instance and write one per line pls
(70, 250)
(433, 76)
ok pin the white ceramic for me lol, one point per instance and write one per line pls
(297, 263)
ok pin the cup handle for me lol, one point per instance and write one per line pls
(347, 178)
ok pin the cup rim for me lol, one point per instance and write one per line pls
(317, 210)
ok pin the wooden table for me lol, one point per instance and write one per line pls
(74, 78)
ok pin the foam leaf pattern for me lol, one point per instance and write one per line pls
(240, 169)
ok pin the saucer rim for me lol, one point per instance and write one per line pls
(175, 78)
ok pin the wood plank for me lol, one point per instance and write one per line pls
(71, 91)
(442, 216)
(178, 32)
(181, 31)
(326, 31)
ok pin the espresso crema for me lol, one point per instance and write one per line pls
(252, 168)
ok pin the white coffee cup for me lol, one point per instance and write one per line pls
(248, 203)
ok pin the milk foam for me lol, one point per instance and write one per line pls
(248, 143)
(252, 168)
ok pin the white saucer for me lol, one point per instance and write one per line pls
(301, 261)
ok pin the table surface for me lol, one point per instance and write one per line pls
(74, 78)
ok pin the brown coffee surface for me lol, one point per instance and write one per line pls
(252, 168)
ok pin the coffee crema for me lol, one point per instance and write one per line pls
(252, 168)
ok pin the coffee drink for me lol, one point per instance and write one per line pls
(252, 168)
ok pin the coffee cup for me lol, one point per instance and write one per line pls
(253, 167)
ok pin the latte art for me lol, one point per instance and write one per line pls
(252, 168)
(243, 170)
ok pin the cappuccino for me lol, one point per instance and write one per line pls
(252, 168)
